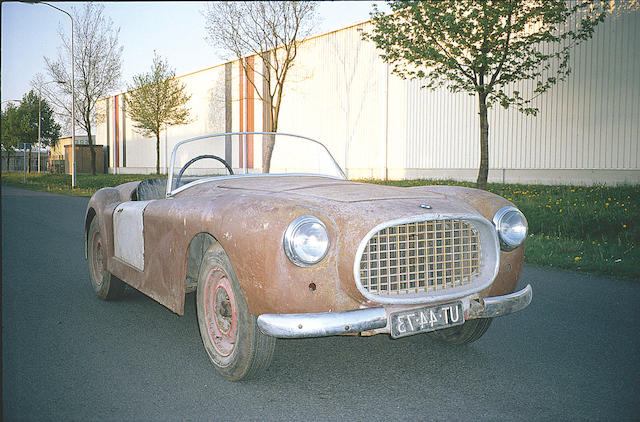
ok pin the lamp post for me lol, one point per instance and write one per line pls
(73, 96)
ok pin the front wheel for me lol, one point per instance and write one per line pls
(468, 332)
(105, 285)
(235, 345)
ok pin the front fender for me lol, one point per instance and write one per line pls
(99, 202)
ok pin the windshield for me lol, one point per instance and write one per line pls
(198, 159)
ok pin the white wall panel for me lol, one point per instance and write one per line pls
(337, 94)
(375, 123)
(589, 121)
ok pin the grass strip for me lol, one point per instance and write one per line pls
(583, 228)
(86, 184)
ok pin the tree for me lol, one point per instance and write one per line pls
(20, 124)
(483, 47)
(271, 30)
(98, 59)
(31, 108)
(157, 100)
(9, 125)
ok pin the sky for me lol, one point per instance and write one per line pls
(174, 29)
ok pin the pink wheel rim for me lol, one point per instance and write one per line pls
(220, 312)
(97, 259)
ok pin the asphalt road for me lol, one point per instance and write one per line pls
(574, 354)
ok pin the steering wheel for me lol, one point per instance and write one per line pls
(200, 157)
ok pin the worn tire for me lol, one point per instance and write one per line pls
(468, 332)
(105, 285)
(235, 345)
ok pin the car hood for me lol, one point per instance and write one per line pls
(335, 196)
(323, 188)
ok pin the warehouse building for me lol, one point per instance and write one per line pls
(380, 126)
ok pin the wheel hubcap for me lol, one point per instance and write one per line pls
(98, 268)
(220, 312)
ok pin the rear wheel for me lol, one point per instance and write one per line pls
(105, 285)
(468, 332)
(235, 345)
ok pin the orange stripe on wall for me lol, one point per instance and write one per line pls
(241, 111)
(250, 117)
(116, 131)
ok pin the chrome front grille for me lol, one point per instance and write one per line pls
(421, 257)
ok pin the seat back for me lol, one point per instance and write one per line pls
(149, 189)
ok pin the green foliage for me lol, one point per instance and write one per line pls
(20, 124)
(484, 46)
(10, 128)
(156, 100)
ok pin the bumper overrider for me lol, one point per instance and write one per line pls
(375, 320)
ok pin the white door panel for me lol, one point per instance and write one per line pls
(128, 233)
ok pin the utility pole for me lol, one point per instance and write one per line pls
(73, 96)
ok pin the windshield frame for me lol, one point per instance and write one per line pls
(170, 192)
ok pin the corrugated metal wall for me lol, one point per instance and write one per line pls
(337, 94)
(589, 122)
(378, 125)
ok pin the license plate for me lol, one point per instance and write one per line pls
(422, 320)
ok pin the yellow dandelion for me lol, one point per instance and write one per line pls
(577, 258)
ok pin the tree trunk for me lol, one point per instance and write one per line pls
(483, 172)
(158, 152)
(93, 152)
(268, 152)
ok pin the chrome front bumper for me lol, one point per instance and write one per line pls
(375, 319)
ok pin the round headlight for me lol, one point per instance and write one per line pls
(306, 241)
(511, 226)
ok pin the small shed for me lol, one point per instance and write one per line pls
(83, 158)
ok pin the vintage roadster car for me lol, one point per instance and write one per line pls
(303, 252)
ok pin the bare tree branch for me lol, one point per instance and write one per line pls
(270, 30)
(97, 64)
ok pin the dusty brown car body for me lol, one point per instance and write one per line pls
(248, 216)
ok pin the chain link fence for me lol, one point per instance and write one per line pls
(16, 161)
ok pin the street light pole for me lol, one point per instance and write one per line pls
(73, 98)
(39, 120)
